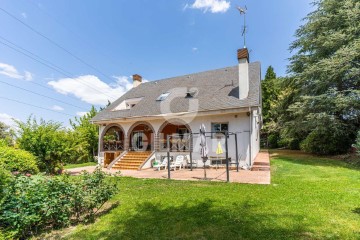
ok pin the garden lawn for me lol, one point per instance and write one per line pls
(77, 165)
(309, 198)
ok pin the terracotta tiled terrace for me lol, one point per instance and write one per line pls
(260, 173)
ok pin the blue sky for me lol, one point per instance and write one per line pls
(89, 49)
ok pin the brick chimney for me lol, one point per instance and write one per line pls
(243, 58)
(137, 79)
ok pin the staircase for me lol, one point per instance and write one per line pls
(131, 160)
(260, 166)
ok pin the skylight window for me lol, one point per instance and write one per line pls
(163, 96)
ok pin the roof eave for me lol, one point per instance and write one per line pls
(174, 115)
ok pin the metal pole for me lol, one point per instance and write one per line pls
(168, 155)
(250, 138)
(190, 149)
(237, 155)
(227, 156)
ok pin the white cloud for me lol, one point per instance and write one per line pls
(28, 76)
(7, 119)
(57, 108)
(11, 72)
(124, 81)
(24, 15)
(215, 6)
(80, 114)
(91, 89)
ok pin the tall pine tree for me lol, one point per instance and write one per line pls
(325, 70)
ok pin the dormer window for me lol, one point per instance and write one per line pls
(163, 96)
(190, 94)
(127, 104)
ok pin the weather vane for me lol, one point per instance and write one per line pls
(243, 12)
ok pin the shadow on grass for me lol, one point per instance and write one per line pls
(298, 157)
(356, 210)
(199, 220)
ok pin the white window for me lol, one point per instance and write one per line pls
(219, 129)
(127, 104)
(163, 96)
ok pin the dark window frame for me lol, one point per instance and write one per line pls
(224, 126)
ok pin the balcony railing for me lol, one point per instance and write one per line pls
(113, 145)
(176, 144)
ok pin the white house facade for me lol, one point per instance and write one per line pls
(165, 115)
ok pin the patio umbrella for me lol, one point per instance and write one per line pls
(219, 149)
(203, 147)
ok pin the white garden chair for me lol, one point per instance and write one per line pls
(179, 162)
(189, 162)
(163, 164)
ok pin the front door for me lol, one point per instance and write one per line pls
(138, 141)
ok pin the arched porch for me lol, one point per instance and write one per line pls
(141, 137)
(112, 142)
(180, 135)
(112, 139)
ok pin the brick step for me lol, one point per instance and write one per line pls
(130, 157)
(129, 162)
(260, 168)
(139, 153)
(125, 168)
(132, 160)
(128, 165)
(261, 164)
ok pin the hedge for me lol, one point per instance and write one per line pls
(18, 160)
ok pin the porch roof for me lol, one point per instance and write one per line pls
(215, 90)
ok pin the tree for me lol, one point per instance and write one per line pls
(268, 92)
(6, 134)
(271, 88)
(86, 134)
(48, 141)
(325, 113)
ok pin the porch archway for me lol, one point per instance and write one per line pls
(112, 138)
(141, 136)
(180, 132)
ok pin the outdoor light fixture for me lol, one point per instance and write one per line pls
(248, 114)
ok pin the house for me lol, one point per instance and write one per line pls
(134, 129)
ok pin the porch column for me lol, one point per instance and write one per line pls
(156, 142)
(127, 143)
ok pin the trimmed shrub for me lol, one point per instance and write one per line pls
(33, 204)
(273, 140)
(5, 178)
(18, 160)
(327, 139)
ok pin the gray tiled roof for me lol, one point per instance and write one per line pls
(216, 89)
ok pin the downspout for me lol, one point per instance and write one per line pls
(250, 117)
(99, 146)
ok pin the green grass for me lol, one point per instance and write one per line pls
(86, 164)
(309, 198)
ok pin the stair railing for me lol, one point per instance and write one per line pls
(146, 160)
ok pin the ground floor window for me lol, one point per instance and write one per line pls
(219, 129)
